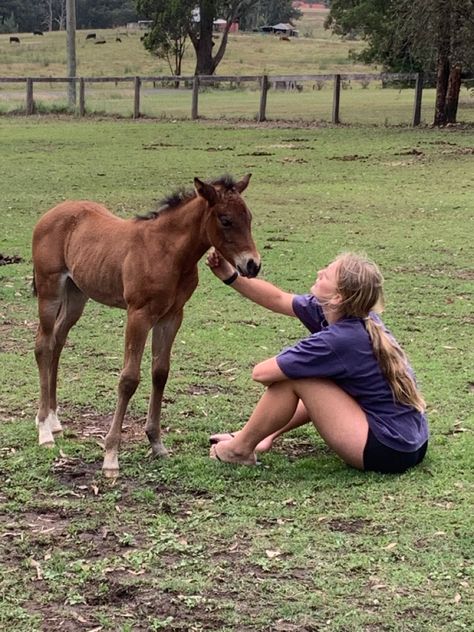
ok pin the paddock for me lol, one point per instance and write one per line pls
(301, 542)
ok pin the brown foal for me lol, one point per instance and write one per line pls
(146, 265)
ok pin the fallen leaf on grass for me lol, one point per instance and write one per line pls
(37, 566)
(457, 598)
(272, 553)
(79, 618)
(390, 546)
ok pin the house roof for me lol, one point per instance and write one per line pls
(283, 27)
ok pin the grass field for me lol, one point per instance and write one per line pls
(302, 543)
(317, 51)
(245, 54)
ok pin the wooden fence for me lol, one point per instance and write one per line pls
(264, 81)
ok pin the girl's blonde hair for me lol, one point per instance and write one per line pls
(360, 284)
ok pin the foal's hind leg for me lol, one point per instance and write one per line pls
(71, 310)
(164, 333)
(138, 326)
(50, 295)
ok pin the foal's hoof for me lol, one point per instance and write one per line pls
(110, 473)
(159, 451)
(47, 444)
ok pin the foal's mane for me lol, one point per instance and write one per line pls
(182, 195)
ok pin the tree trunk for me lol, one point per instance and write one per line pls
(205, 64)
(441, 91)
(452, 96)
(443, 62)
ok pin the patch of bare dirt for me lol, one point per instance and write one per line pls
(130, 603)
(348, 525)
(349, 158)
(9, 259)
(296, 448)
(464, 274)
(84, 423)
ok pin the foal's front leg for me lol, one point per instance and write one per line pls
(164, 333)
(138, 326)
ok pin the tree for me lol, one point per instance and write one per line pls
(410, 35)
(30, 15)
(199, 17)
(8, 24)
(105, 14)
(168, 37)
(269, 12)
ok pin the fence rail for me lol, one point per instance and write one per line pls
(195, 81)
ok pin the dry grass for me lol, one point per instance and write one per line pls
(246, 53)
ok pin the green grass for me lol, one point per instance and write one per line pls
(188, 544)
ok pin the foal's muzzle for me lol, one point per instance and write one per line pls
(250, 269)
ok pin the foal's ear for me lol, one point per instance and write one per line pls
(207, 191)
(243, 184)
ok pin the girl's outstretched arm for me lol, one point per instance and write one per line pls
(261, 292)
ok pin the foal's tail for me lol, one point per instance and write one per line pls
(33, 285)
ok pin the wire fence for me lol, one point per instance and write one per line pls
(384, 98)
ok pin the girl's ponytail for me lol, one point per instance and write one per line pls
(360, 284)
(394, 365)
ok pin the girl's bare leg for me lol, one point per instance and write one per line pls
(337, 417)
(300, 418)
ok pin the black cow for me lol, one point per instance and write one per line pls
(14, 40)
(90, 36)
(37, 32)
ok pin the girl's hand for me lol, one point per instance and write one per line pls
(220, 266)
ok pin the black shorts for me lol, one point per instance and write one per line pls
(379, 458)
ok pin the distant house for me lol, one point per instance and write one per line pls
(141, 25)
(308, 5)
(281, 29)
(218, 26)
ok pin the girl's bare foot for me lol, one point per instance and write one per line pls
(223, 436)
(265, 445)
(224, 452)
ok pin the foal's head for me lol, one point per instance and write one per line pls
(229, 221)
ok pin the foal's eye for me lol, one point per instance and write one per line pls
(225, 221)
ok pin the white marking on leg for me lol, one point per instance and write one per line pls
(110, 466)
(45, 436)
(54, 423)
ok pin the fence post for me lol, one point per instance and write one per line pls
(418, 97)
(30, 104)
(336, 99)
(82, 97)
(136, 100)
(194, 103)
(263, 100)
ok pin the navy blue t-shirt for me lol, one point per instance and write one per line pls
(343, 353)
